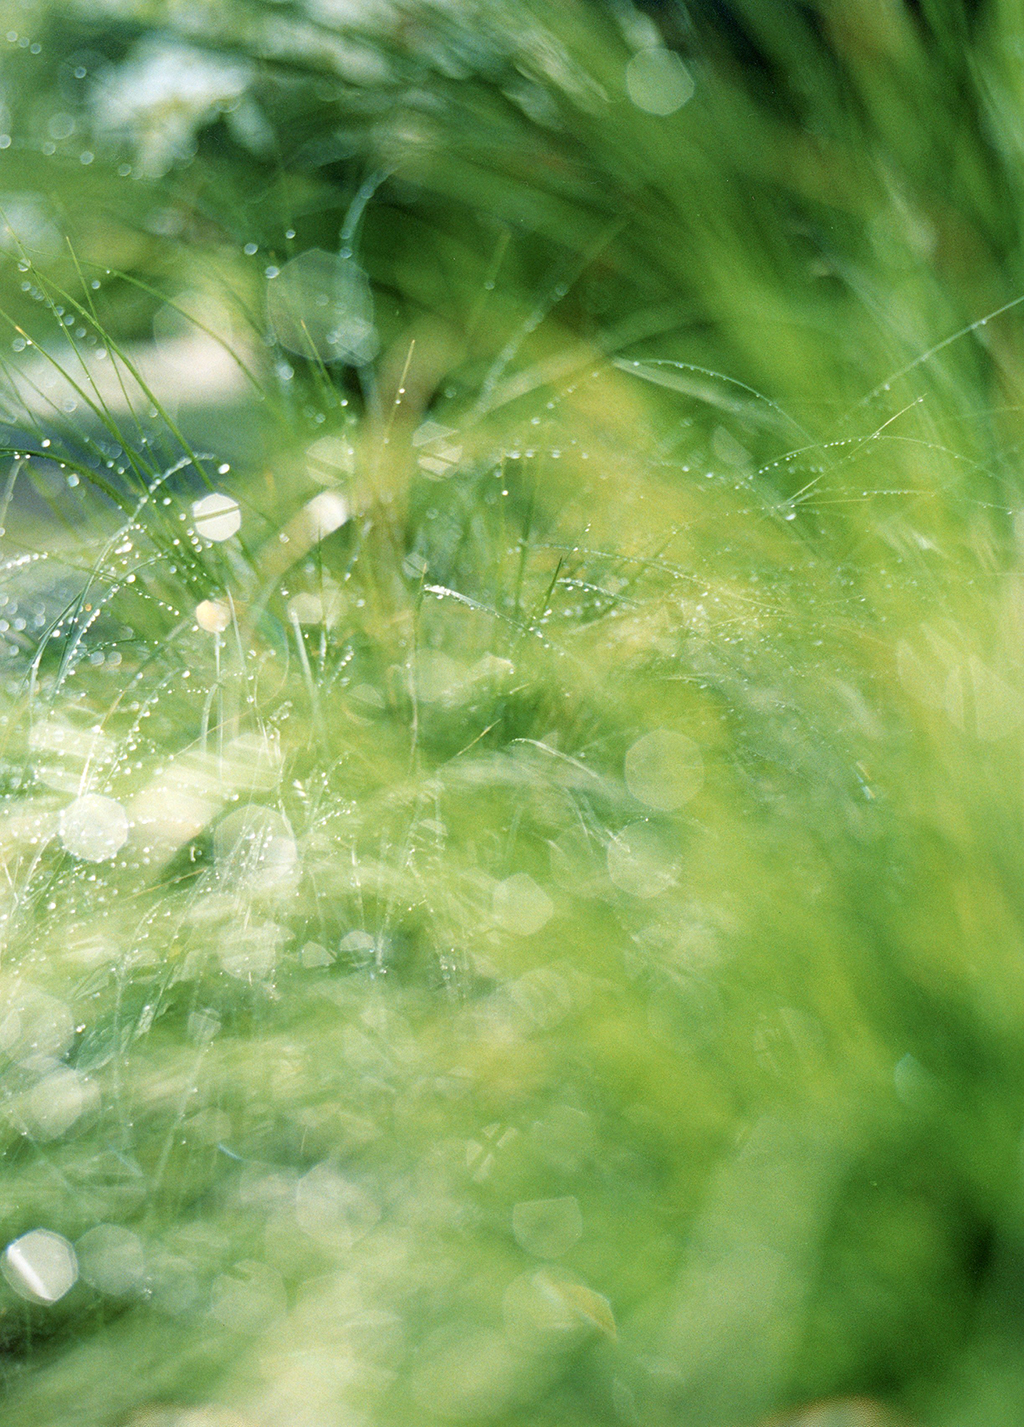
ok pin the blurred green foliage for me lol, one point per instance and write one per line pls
(513, 914)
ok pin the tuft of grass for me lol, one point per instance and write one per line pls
(510, 796)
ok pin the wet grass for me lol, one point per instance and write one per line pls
(521, 924)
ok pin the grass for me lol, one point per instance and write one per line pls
(526, 928)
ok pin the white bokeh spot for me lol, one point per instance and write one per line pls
(216, 516)
(112, 1259)
(521, 905)
(94, 827)
(320, 306)
(41, 1266)
(657, 81)
(639, 861)
(213, 615)
(664, 769)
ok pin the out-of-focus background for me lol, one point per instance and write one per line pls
(511, 697)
